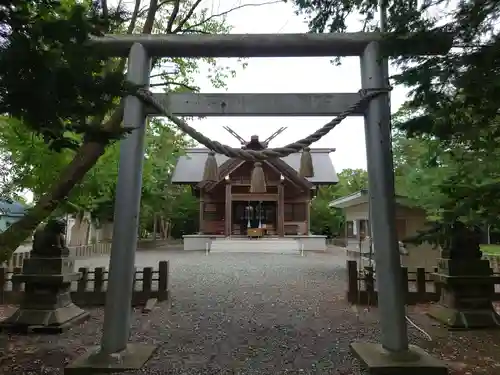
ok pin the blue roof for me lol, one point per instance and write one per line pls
(11, 208)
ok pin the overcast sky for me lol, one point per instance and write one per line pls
(288, 75)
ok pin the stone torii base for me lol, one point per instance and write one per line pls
(134, 357)
(414, 361)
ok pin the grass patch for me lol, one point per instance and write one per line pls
(491, 249)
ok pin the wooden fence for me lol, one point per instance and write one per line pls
(75, 252)
(417, 285)
(494, 262)
(365, 260)
(90, 290)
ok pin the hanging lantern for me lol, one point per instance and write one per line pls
(211, 173)
(258, 179)
(306, 163)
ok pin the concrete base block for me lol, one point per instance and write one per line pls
(44, 321)
(455, 319)
(415, 361)
(95, 362)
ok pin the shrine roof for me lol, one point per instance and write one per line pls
(11, 208)
(189, 168)
(361, 197)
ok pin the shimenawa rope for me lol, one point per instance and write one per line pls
(251, 155)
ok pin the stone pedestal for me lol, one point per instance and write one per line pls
(467, 288)
(414, 361)
(132, 358)
(46, 306)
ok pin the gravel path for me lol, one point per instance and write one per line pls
(229, 313)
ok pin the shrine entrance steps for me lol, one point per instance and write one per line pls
(261, 245)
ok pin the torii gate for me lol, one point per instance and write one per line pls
(394, 350)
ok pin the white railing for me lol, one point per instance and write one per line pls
(75, 252)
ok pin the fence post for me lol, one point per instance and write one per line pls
(147, 280)
(27, 255)
(421, 284)
(18, 263)
(83, 282)
(98, 279)
(16, 285)
(163, 280)
(494, 262)
(134, 284)
(437, 286)
(3, 282)
(371, 296)
(352, 282)
(404, 284)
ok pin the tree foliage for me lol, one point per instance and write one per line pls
(327, 220)
(27, 156)
(442, 85)
(448, 181)
(69, 97)
(49, 77)
(448, 130)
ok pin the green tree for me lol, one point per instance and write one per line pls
(161, 200)
(420, 166)
(184, 215)
(29, 155)
(441, 178)
(442, 86)
(451, 103)
(79, 110)
(328, 220)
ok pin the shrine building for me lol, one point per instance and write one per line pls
(245, 199)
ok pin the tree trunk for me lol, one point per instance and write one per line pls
(168, 229)
(85, 158)
(161, 222)
(83, 161)
(155, 222)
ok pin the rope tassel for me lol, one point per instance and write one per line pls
(210, 173)
(258, 179)
(306, 163)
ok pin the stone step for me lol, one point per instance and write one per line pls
(255, 246)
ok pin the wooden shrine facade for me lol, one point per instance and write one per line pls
(227, 207)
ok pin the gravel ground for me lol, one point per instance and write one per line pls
(229, 313)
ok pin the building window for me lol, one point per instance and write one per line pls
(349, 229)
